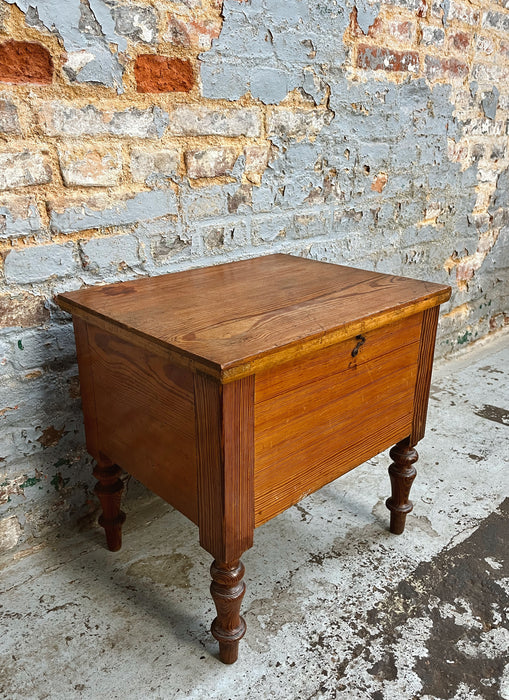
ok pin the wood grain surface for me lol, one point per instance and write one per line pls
(234, 319)
(314, 423)
(225, 445)
(422, 387)
(86, 386)
(143, 410)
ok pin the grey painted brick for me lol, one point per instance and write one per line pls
(22, 169)
(266, 229)
(310, 225)
(483, 127)
(60, 119)
(203, 121)
(496, 20)
(168, 245)
(85, 29)
(9, 122)
(366, 14)
(110, 254)
(19, 216)
(223, 237)
(298, 124)
(270, 85)
(432, 36)
(39, 263)
(137, 22)
(144, 206)
(204, 203)
(33, 348)
(290, 13)
(409, 4)
(489, 103)
(226, 79)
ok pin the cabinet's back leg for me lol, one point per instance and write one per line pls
(109, 489)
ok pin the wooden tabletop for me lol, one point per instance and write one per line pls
(232, 319)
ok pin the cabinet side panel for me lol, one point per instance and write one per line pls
(426, 353)
(86, 386)
(145, 417)
(334, 411)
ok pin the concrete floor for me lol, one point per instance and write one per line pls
(336, 607)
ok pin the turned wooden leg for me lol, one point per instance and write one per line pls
(402, 473)
(227, 589)
(109, 489)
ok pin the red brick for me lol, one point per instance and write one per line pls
(25, 62)
(401, 31)
(155, 73)
(443, 68)
(459, 41)
(382, 58)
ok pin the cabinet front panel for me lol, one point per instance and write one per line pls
(319, 417)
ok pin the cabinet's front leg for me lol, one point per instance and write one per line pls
(402, 473)
(228, 590)
(109, 489)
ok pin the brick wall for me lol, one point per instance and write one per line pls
(143, 137)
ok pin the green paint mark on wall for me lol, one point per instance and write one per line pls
(62, 462)
(31, 481)
(20, 345)
(59, 482)
(467, 335)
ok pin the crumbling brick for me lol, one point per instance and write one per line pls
(212, 162)
(383, 58)
(22, 169)
(9, 121)
(25, 62)
(90, 167)
(163, 74)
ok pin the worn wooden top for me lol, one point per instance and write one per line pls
(233, 319)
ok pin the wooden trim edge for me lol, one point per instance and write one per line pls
(424, 371)
(243, 368)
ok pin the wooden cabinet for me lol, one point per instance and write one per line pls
(234, 391)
